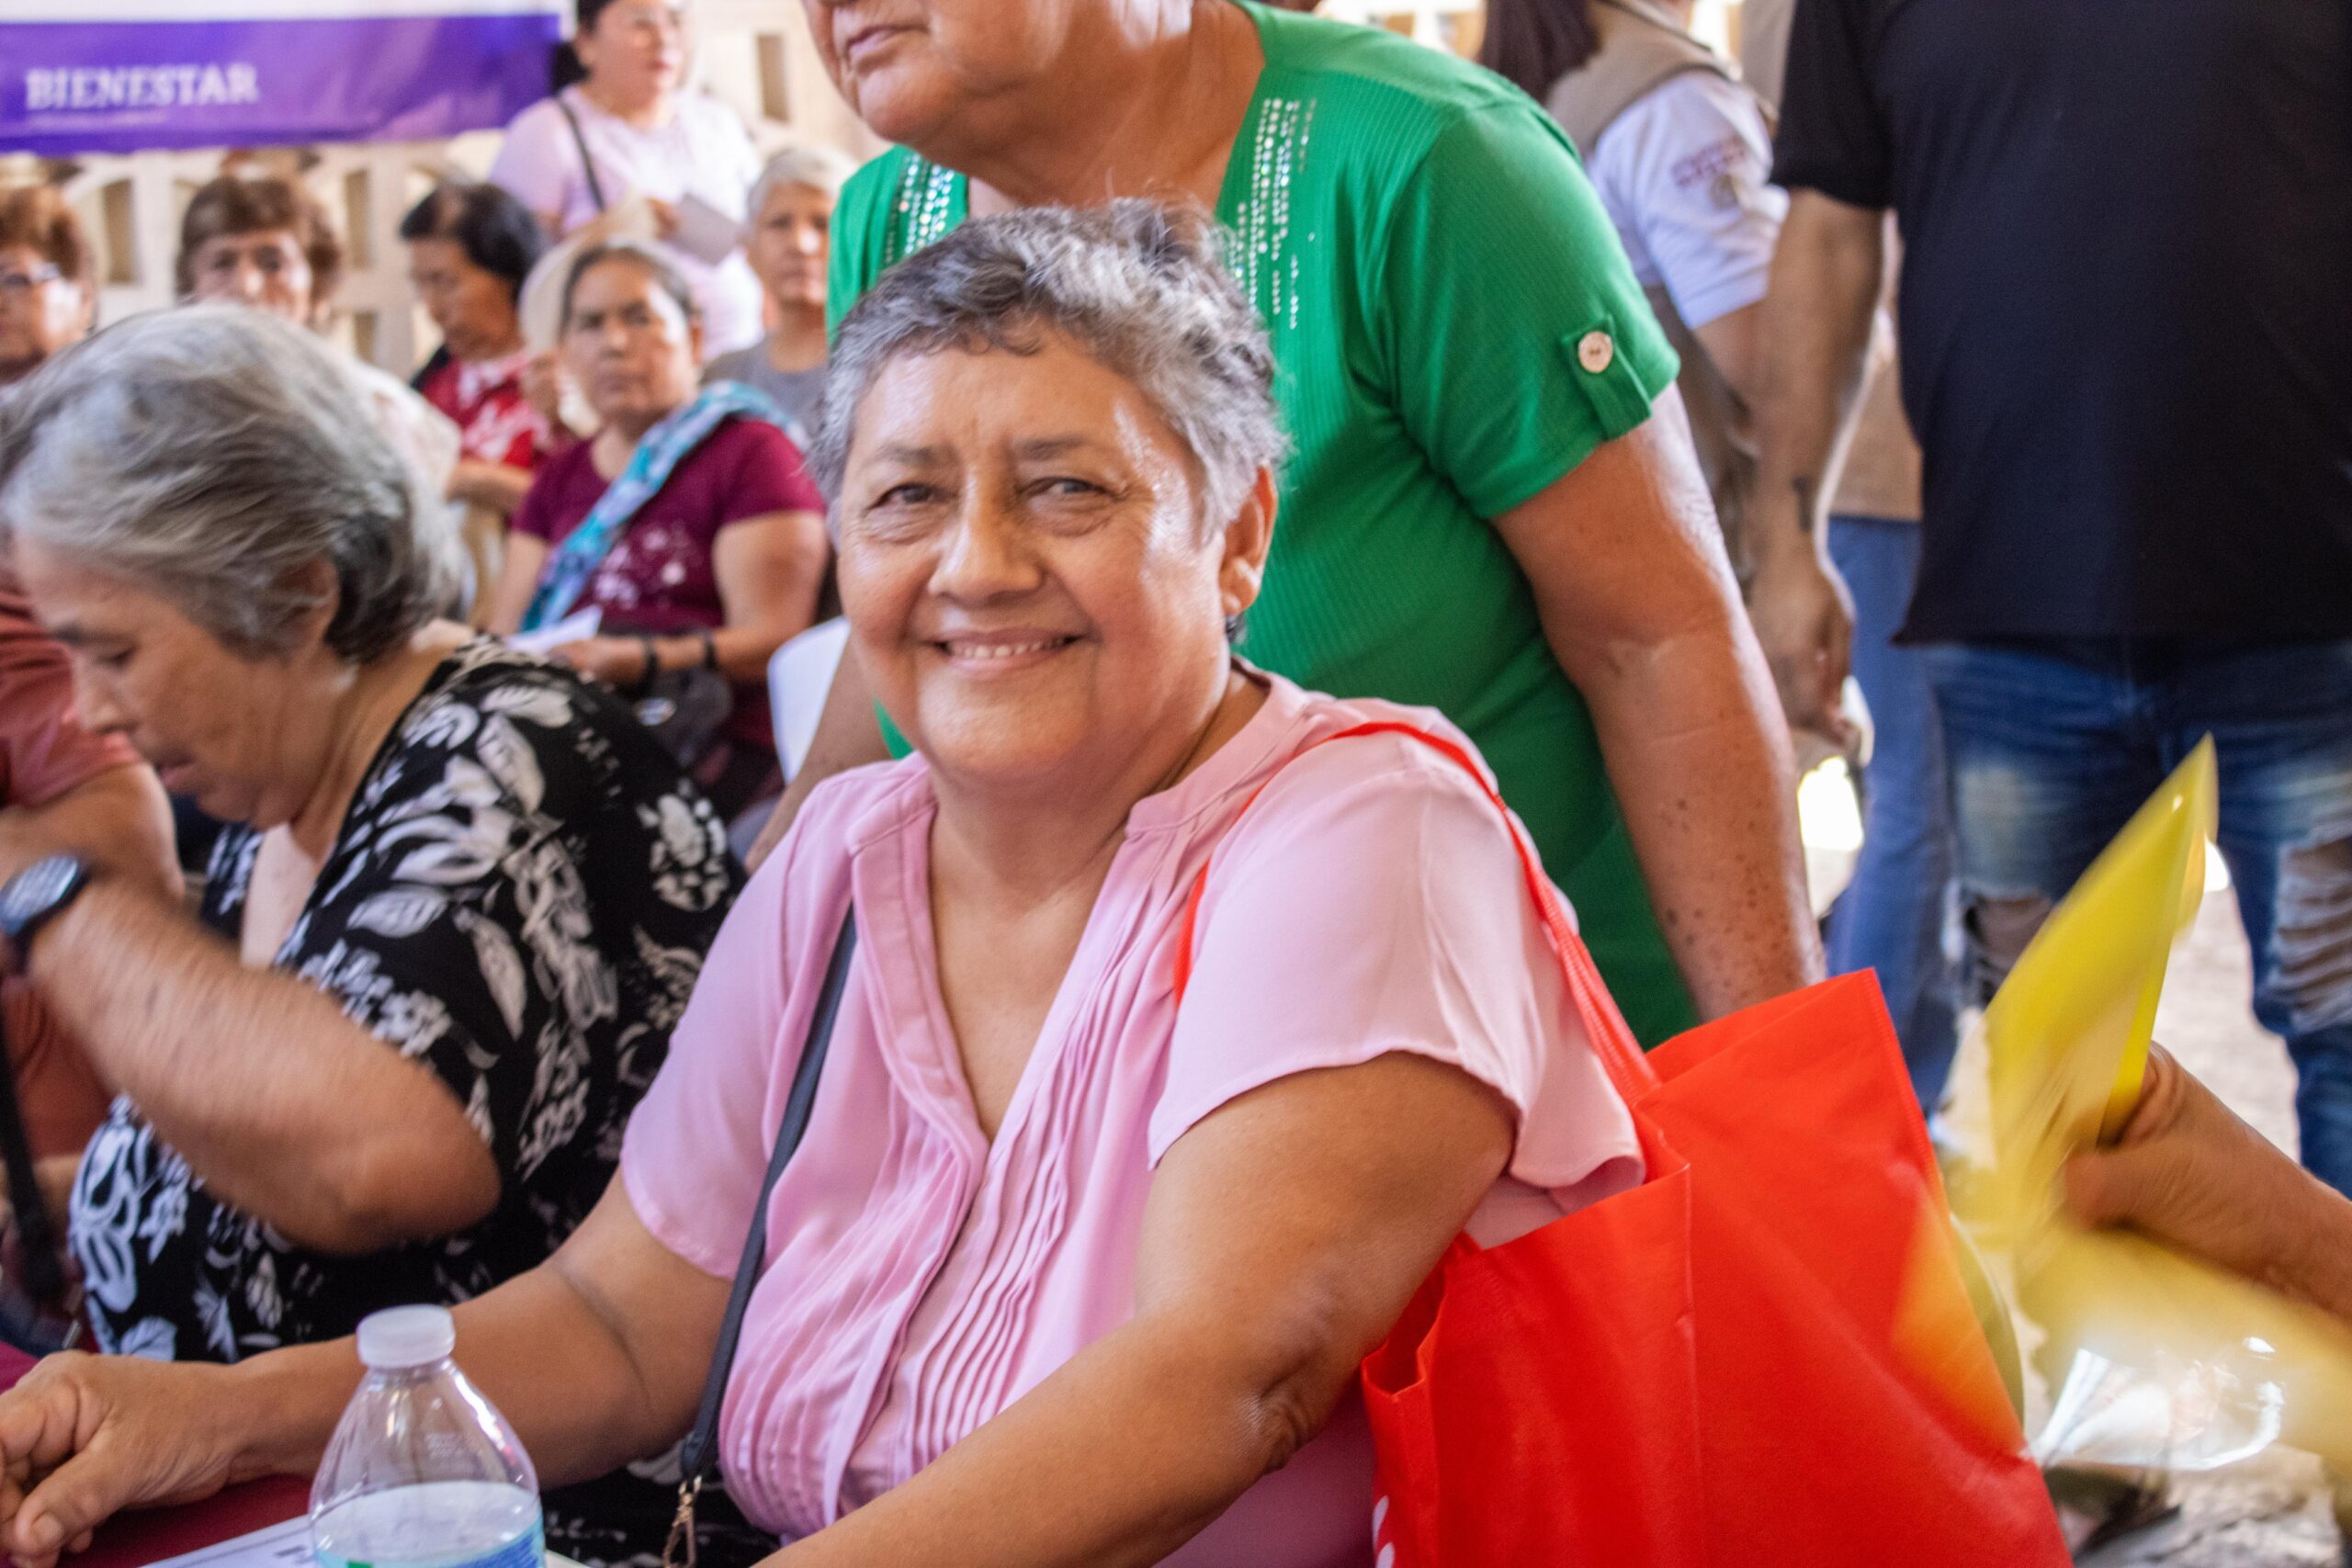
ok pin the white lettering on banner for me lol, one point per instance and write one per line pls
(93, 89)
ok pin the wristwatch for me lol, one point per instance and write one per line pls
(36, 896)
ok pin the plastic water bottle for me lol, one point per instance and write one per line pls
(423, 1471)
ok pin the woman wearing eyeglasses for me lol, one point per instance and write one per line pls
(48, 298)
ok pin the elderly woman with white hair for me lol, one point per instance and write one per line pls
(1065, 1270)
(791, 250)
(462, 899)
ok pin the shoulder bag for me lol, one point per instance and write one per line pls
(698, 1458)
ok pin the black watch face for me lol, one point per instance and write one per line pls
(37, 888)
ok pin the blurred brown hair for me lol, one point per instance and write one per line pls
(240, 204)
(1533, 43)
(39, 219)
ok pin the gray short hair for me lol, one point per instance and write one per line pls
(1136, 286)
(212, 453)
(818, 168)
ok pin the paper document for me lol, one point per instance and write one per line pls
(704, 231)
(279, 1546)
(578, 626)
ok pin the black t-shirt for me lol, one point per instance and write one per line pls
(2126, 300)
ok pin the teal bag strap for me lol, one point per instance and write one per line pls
(569, 566)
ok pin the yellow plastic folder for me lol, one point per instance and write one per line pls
(2163, 1361)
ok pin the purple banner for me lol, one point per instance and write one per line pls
(76, 87)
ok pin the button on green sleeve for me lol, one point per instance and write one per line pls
(1505, 311)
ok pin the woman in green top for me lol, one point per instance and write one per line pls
(1492, 508)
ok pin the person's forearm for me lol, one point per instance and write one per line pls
(497, 486)
(740, 653)
(848, 736)
(2322, 1275)
(1701, 769)
(770, 573)
(287, 1108)
(535, 1349)
(1827, 277)
(287, 1404)
(1733, 342)
(1148, 1436)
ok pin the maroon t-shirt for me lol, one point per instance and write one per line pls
(45, 753)
(658, 578)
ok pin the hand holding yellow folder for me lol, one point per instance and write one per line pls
(2171, 1361)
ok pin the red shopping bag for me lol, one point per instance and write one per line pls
(1763, 1355)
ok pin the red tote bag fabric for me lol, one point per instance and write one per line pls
(1763, 1355)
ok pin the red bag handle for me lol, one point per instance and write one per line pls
(1612, 1040)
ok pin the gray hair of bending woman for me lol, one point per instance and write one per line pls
(1136, 286)
(213, 455)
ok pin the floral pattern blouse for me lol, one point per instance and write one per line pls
(520, 898)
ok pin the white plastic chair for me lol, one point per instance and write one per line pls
(798, 677)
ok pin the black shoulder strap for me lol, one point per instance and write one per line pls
(698, 1458)
(580, 139)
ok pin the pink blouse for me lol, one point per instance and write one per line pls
(921, 1278)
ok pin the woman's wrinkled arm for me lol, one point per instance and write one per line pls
(1283, 1236)
(501, 487)
(596, 1357)
(1638, 603)
(285, 1107)
(770, 570)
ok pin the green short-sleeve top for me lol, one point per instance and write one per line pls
(1456, 327)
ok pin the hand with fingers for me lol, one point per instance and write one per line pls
(621, 662)
(1805, 620)
(83, 1438)
(2187, 1172)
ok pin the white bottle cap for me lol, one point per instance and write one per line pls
(406, 1336)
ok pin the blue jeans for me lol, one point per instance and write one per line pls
(1891, 916)
(2053, 749)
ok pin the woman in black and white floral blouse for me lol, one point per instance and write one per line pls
(467, 903)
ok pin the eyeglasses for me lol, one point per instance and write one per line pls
(15, 284)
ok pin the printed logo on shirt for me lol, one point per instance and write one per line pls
(1716, 166)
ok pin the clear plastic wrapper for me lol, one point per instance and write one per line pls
(2155, 1360)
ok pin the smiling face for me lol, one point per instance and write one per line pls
(907, 67)
(637, 52)
(790, 242)
(629, 344)
(244, 736)
(1028, 578)
(264, 268)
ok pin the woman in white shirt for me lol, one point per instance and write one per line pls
(628, 129)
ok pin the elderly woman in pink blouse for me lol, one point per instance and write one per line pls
(1064, 1272)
